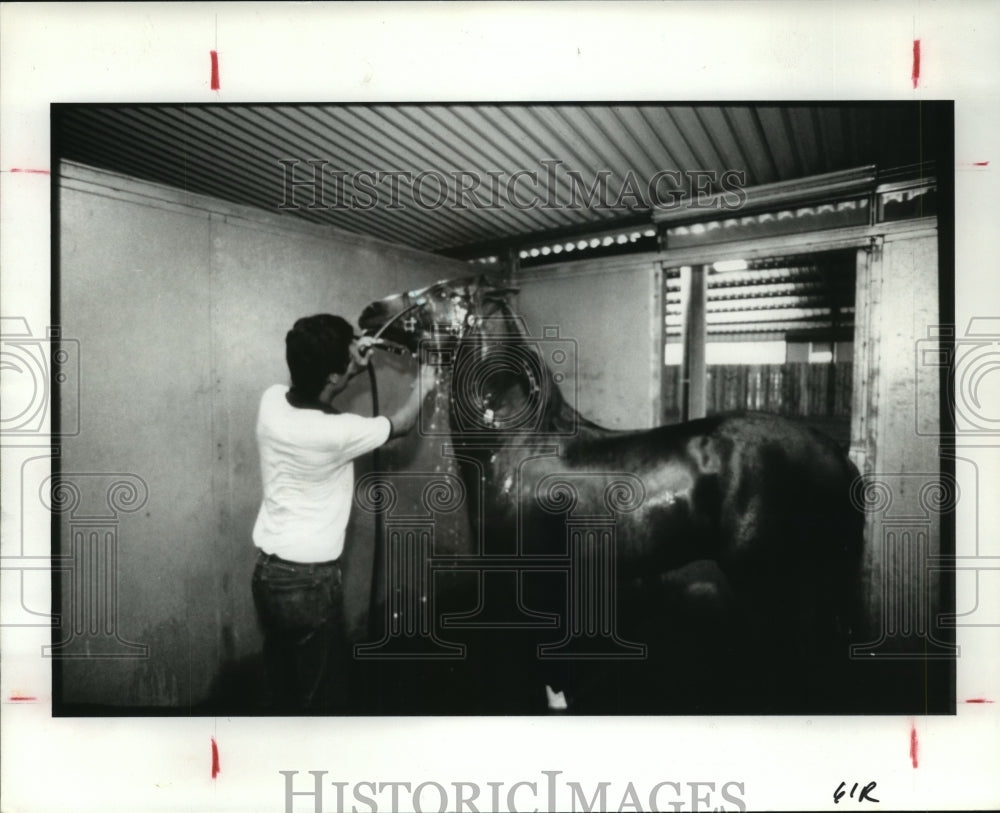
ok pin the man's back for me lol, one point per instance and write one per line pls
(307, 470)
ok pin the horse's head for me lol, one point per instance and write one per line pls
(439, 315)
(498, 381)
(499, 378)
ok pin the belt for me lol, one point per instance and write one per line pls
(267, 558)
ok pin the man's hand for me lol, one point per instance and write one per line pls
(361, 350)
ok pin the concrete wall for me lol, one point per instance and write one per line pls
(612, 312)
(181, 304)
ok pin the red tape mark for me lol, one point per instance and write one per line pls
(916, 63)
(215, 759)
(18, 698)
(913, 745)
(215, 70)
(31, 171)
(970, 700)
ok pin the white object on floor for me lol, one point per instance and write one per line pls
(557, 700)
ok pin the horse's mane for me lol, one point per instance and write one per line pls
(559, 415)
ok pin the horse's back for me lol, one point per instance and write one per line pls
(742, 488)
(784, 486)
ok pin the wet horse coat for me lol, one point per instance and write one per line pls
(734, 536)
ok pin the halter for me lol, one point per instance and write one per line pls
(419, 303)
(465, 321)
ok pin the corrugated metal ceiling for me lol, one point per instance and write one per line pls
(235, 153)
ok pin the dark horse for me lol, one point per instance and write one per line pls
(721, 553)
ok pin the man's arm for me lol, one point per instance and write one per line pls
(405, 418)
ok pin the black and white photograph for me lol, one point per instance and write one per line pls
(498, 407)
(505, 409)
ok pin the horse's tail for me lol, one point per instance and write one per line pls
(851, 551)
(845, 540)
(837, 524)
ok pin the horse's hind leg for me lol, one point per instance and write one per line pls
(793, 643)
(694, 642)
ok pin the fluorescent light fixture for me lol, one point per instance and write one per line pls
(730, 265)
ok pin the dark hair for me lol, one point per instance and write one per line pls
(315, 347)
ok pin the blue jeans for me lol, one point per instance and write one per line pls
(301, 610)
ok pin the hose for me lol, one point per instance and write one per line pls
(377, 552)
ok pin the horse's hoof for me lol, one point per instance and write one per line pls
(556, 700)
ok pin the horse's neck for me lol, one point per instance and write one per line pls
(555, 413)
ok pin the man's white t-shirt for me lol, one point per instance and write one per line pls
(306, 463)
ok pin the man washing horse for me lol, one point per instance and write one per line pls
(307, 450)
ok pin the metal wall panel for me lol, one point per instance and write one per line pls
(181, 305)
